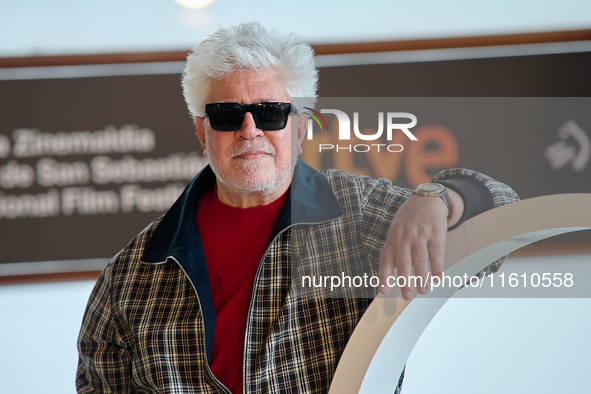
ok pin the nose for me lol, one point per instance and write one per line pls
(249, 129)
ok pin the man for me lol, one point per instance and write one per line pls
(203, 300)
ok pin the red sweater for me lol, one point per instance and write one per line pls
(234, 241)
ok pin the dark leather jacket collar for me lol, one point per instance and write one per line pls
(310, 200)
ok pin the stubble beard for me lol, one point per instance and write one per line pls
(252, 176)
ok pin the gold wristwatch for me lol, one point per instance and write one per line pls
(435, 190)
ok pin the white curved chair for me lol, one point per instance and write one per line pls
(391, 326)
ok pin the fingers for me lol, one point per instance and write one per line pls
(415, 246)
(395, 261)
(437, 255)
(422, 268)
(411, 260)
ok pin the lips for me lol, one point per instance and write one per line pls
(254, 154)
(250, 150)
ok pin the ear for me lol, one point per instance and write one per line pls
(200, 131)
(301, 130)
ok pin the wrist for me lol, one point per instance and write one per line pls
(436, 190)
(453, 201)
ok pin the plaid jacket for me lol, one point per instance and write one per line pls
(149, 323)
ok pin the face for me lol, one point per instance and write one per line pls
(251, 161)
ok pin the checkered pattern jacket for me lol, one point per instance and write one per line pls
(149, 323)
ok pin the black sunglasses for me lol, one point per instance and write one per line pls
(267, 116)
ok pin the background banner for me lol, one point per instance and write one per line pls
(86, 163)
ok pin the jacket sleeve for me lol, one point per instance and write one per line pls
(104, 364)
(480, 194)
(381, 200)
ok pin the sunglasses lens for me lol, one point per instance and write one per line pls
(229, 116)
(271, 116)
(224, 117)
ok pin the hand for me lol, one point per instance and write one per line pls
(415, 244)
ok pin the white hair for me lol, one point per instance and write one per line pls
(249, 46)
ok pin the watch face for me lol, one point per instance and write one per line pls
(431, 188)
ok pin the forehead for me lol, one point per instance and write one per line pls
(248, 87)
